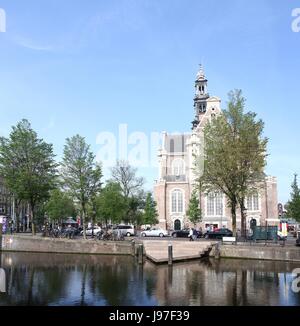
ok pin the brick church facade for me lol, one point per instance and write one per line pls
(174, 186)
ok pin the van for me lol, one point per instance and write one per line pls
(126, 230)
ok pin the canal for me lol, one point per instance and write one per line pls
(75, 280)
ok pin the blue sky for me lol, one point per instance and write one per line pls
(85, 67)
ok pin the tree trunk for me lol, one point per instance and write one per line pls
(233, 216)
(32, 218)
(243, 218)
(83, 221)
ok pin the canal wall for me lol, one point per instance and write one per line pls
(290, 254)
(27, 243)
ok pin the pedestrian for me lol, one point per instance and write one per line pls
(191, 234)
(194, 235)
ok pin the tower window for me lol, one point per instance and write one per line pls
(178, 167)
(177, 201)
(215, 204)
(253, 202)
(172, 146)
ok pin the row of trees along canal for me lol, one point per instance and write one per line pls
(234, 157)
(74, 186)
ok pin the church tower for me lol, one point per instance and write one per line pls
(201, 96)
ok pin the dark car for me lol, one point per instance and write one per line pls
(184, 233)
(218, 234)
(298, 239)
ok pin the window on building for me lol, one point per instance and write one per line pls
(253, 202)
(178, 167)
(177, 201)
(172, 146)
(215, 204)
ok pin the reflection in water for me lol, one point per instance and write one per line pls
(41, 279)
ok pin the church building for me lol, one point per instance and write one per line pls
(173, 189)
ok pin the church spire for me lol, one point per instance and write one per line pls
(201, 96)
(201, 73)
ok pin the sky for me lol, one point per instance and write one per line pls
(97, 67)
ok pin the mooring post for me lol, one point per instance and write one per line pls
(170, 255)
(140, 254)
(0, 237)
(133, 248)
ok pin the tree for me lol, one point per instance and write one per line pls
(293, 206)
(150, 213)
(28, 167)
(125, 175)
(110, 204)
(131, 185)
(80, 174)
(234, 153)
(194, 212)
(60, 206)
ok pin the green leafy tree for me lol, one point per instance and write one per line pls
(111, 204)
(194, 212)
(150, 213)
(28, 167)
(293, 206)
(60, 206)
(234, 154)
(81, 174)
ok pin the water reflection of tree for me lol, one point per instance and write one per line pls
(111, 280)
(35, 286)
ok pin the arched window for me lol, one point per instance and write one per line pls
(214, 204)
(178, 167)
(253, 202)
(177, 201)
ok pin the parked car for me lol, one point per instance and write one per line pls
(154, 232)
(126, 230)
(218, 234)
(298, 239)
(89, 231)
(184, 233)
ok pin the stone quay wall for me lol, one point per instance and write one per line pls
(27, 243)
(291, 254)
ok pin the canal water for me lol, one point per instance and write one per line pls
(75, 280)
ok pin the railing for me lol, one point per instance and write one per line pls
(175, 178)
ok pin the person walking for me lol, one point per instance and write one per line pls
(191, 234)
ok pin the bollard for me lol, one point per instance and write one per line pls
(140, 254)
(0, 237)
(170, 255)
(133, 248)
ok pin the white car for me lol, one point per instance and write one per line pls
(154, 232)
(88, 231)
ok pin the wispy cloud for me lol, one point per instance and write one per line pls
(32, 45)
(50, 125)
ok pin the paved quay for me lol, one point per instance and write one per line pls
(157, 251)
